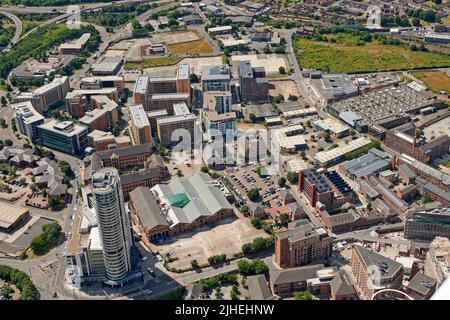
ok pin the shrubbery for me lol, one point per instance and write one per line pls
(48, 239)
(21, 280)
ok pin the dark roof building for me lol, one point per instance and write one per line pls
(341, 288)
(374, 272)
(421, 287)
(258, 288)
(372, 162)
(286, 282)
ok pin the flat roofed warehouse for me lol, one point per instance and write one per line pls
(11, 216)
(387, 102)
(333, 156)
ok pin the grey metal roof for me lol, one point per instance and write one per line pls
(372, 162)
(258, 288)
(295, 274)
(138, 176)
(437, 191)
(204, 198)
(147, 208)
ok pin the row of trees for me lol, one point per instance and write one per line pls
(252, 267)
(221, 279)
(258, 245)
(221, 258)
(21, 280)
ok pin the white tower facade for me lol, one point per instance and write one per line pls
(114, 223)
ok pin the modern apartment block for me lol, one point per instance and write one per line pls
(64, 136)
(27, 119)
(114, 224)
(182, 119)
(375, 272)
(139, 124)
(216, 78)
(301, 245)
(47, 96)
(104, 115)
(426, 225)
(253, 84)
(163, 92)
(219, 124)
(314, 186)
(219, 101)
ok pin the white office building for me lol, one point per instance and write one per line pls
(27, 119)
(114, 224)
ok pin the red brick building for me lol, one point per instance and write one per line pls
(301, 245)
(374, 272)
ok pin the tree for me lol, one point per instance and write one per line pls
(282, 182)
(48, 239)
(8, 143)
(244, 209)
(194, 78)
(179, 173)
(292, 97)
(218, 294)
(116, 130)
(284, 218)
(413, 47)
(7, 291)
(256, 223)
(279, 98)
(426, 198)
(194, 264)
(282, 70)
(252, 267)
(204, 169)
(66, 169)
(2, 123)
(247, 248)
(304, 295)
(4, 101)
(253, 194)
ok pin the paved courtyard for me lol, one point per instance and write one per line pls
(226, 238)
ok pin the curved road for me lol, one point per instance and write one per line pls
(18, 24)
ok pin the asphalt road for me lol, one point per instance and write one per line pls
(18, 24)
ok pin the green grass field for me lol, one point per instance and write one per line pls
(154, 62)
(346, 56)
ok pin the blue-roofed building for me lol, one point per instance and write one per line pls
(373, 162)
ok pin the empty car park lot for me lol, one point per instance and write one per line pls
(196, 65)
(271, 62)
(439, 128)
(285, 87)
(200, 244)
(172, 37)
